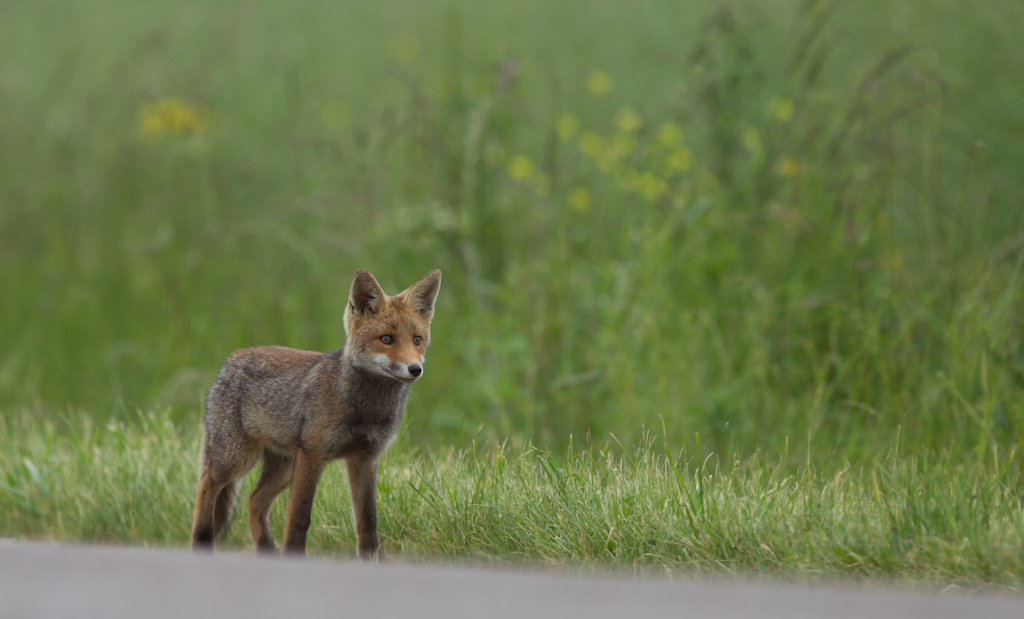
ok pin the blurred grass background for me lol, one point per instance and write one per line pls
(753, 221)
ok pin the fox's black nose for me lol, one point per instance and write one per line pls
(415, 370)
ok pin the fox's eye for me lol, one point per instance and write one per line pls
(416, 340)
(387, 339)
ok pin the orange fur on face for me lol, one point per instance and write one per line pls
(383, 330)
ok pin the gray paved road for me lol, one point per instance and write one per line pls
(62, 581)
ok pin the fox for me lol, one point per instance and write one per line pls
(299, 410)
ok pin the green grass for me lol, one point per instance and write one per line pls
(921, 520)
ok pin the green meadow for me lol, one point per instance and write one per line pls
(728, 288)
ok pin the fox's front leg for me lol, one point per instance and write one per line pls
(300, 504)
(362, 482)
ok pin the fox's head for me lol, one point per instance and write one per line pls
(389, 335)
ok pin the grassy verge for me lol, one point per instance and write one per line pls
(922, 520)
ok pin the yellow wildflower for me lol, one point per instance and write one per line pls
(566, 126)
(782, 108)
(404, 48)
(679, 160)
(579, 199)
(627, 119)
(599, 83)
(521, 168)
(752, 140)
(158, 118)
(335, 115)
(787, 167)
(152, 123)
(650, 186)
(669, 135)
(591, 143)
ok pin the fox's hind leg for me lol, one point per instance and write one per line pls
(217, 491)
(224, 508)
(276, 475)
(203, 527)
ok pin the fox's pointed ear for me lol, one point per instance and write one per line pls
(422, 294)
(366, 295)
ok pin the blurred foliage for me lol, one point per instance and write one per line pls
(761, 221)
